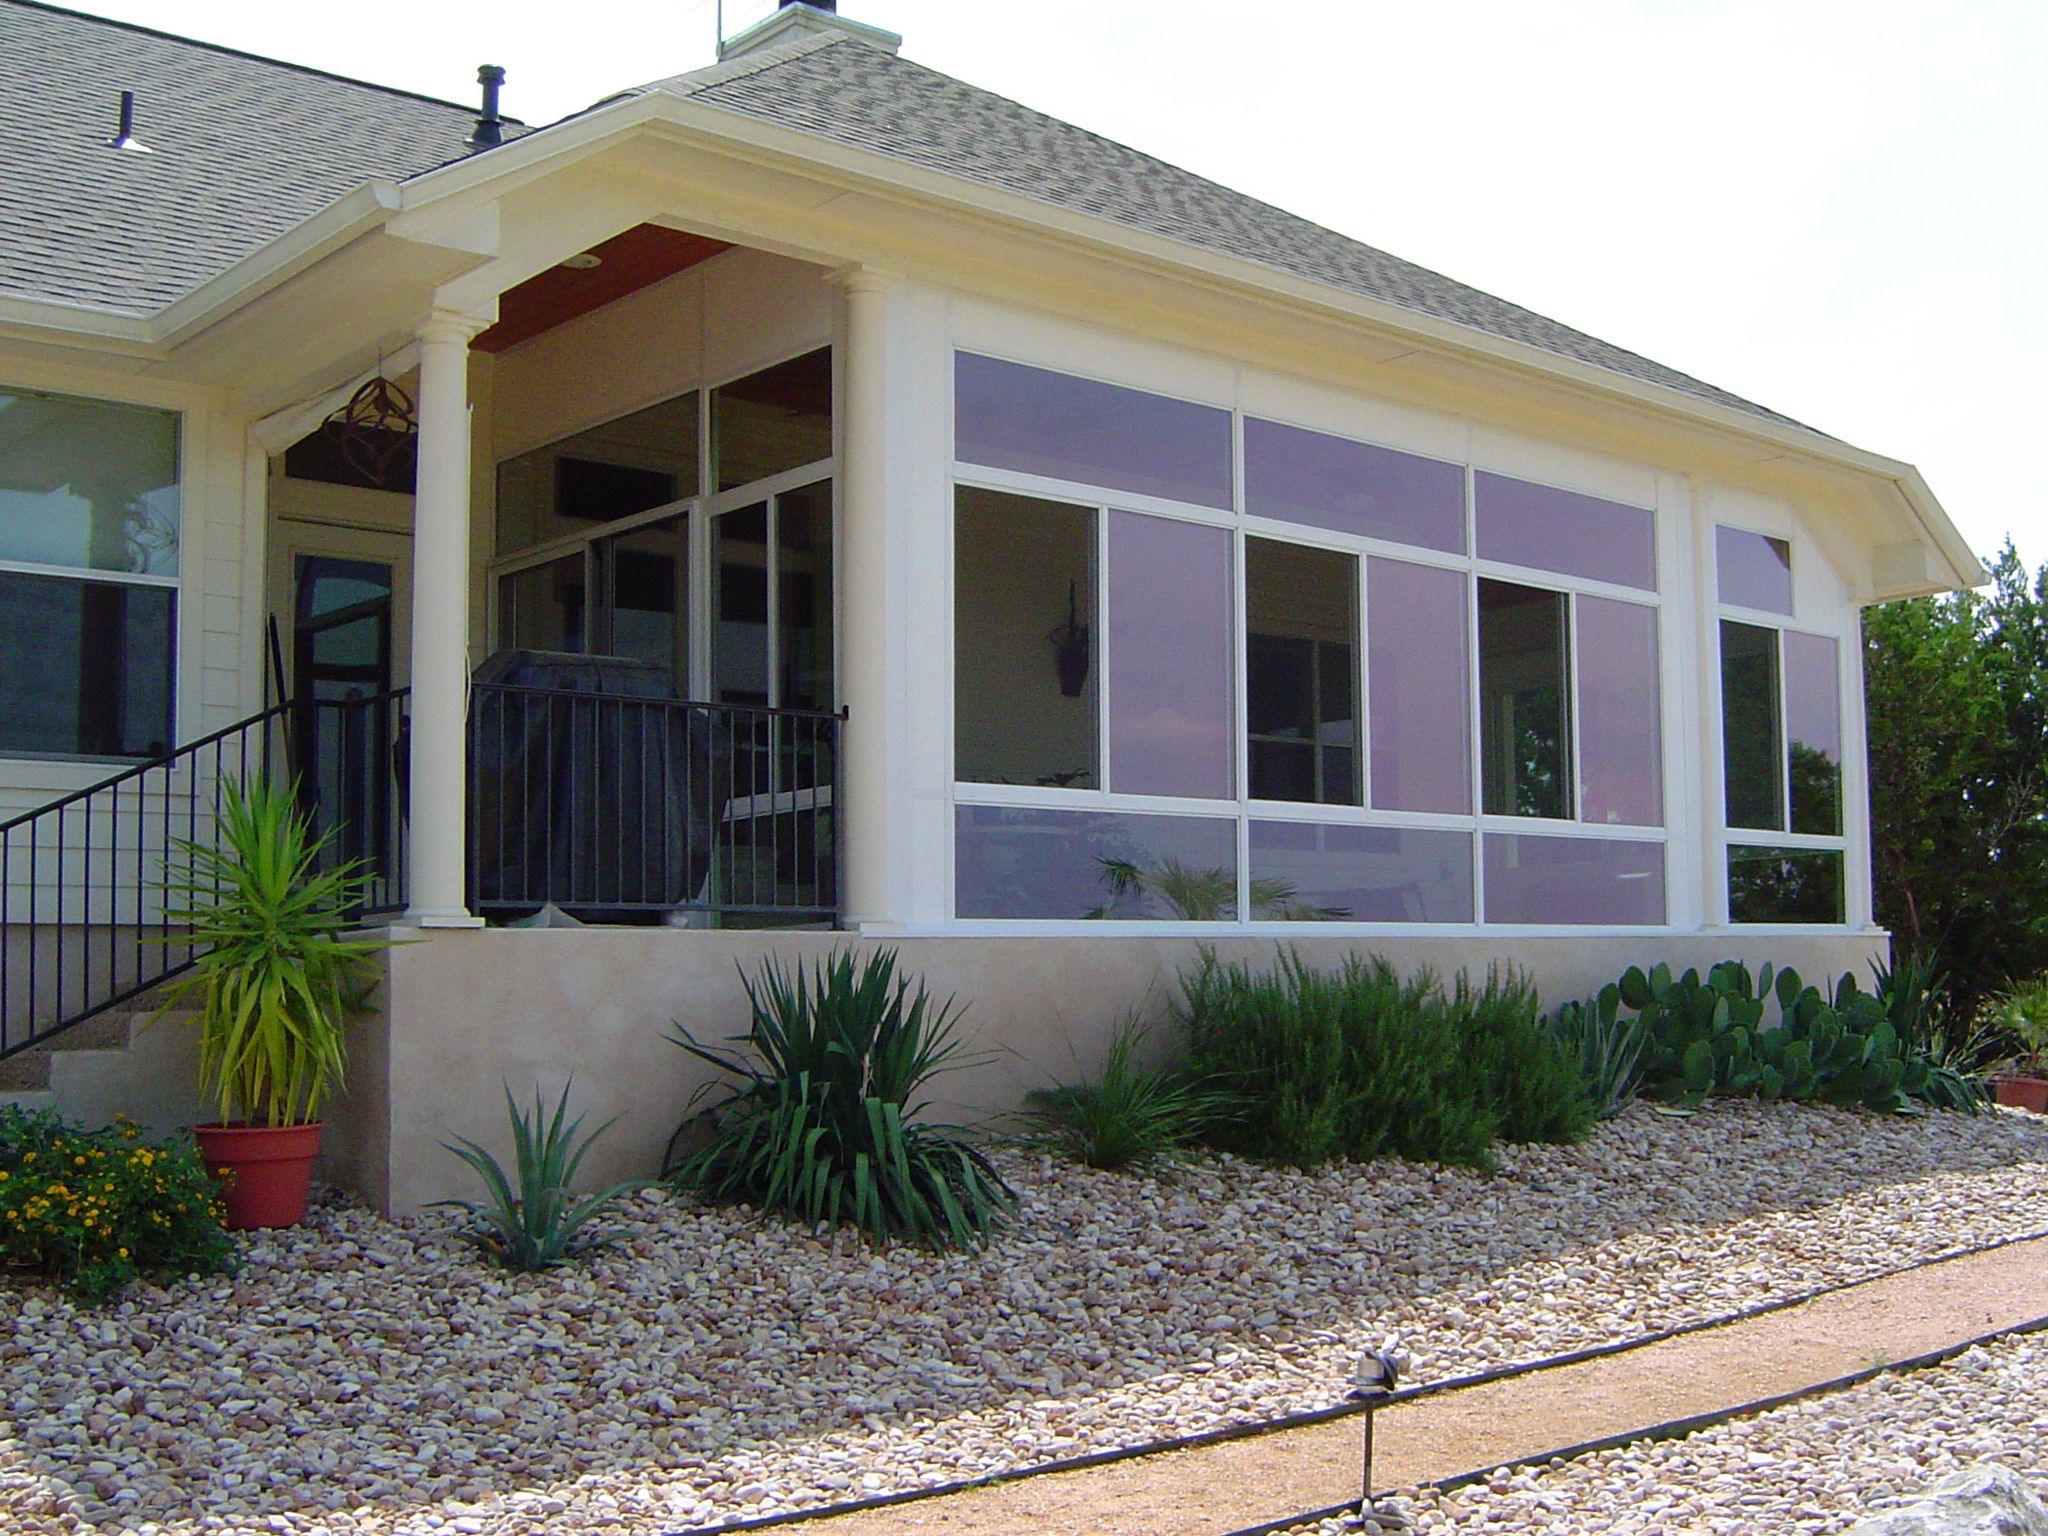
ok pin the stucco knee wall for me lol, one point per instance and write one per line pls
(467, 1010)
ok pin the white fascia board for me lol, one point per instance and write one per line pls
(52, 322)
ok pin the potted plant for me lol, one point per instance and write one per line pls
(2021, 1081)
(274, 984)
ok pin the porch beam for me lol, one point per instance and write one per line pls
(440, 628)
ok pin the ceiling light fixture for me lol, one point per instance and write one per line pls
(582, 261)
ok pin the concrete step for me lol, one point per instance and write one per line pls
(28, 1100)
(110, 1032)
(27, 1072)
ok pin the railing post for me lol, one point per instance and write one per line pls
(440, 628)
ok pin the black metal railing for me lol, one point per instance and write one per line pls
(613, 807)
(84, 922)
(605, 806)
(351, 757)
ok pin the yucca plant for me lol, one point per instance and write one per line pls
(1130, 1115)
(532, 1219)
(823, 1127)
(275, 980)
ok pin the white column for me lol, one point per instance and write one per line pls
(866, 600)
(440, 628)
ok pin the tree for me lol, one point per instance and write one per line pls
(1957, 692)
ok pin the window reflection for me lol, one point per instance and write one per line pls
(1524, 706)
(774, 420)
(1300, 677)
(1024, 641)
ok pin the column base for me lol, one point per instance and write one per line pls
(424, 919)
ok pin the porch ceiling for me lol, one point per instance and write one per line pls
(626, 263)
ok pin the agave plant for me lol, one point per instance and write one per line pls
(275, 980)
(1609, 1049)
(532, 1219)
(823, 1126)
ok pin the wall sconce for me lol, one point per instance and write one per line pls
(1070, 649)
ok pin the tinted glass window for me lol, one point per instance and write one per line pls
(1598, 881)
(1315, 872)
(1300, 678)
(1521, 523)
(1524, 702)
(542, 607)
(1333, 482)
(1620, 739)
(88, 666)
(777, 419)
(1420, 687)
(630, 465)
(1750, 727)
(1024, 644)
(1784, 885)
(803, 551)
(1170, 649)
(1038, 422)
(1012, 862)
(1753, 570)
(1813, 732)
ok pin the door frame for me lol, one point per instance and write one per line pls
(292, 537)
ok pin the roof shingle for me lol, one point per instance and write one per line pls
(243, 149)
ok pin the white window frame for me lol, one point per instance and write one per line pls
(181, 426)
(1848, 682)
(1477, 824)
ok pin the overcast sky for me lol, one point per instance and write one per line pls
(1837, 208)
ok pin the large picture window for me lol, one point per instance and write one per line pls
(1296, 690)
(89, 537)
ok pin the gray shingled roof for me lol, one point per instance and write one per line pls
(856, 94)
(245, 148)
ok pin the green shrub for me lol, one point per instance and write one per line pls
(1610, 1050)
(1362, 1063)
(1532, 1084)
(1130, 1115)
(823, 1127)
(533, 1219)
(95, 1209)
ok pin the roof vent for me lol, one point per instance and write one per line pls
(124, 135)
(794, 19)
(490, 127)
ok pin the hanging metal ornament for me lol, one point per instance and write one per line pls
(376, 433)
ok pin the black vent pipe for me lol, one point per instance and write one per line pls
(490, 127)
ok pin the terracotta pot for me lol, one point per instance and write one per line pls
(2023, 1093)
(265, 1171)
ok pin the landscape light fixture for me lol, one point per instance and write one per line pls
(1372, 1382)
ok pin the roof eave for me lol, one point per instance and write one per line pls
(271, 265)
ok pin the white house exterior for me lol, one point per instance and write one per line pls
(1185, 573)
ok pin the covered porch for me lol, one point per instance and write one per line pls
(562, 654)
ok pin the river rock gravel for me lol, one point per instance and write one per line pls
(364, 1375)
(1814, 1467)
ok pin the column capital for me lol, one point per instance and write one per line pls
(862, 279)
(450, 325)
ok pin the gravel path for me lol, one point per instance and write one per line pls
(364, 1375)
(1816, 1466)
